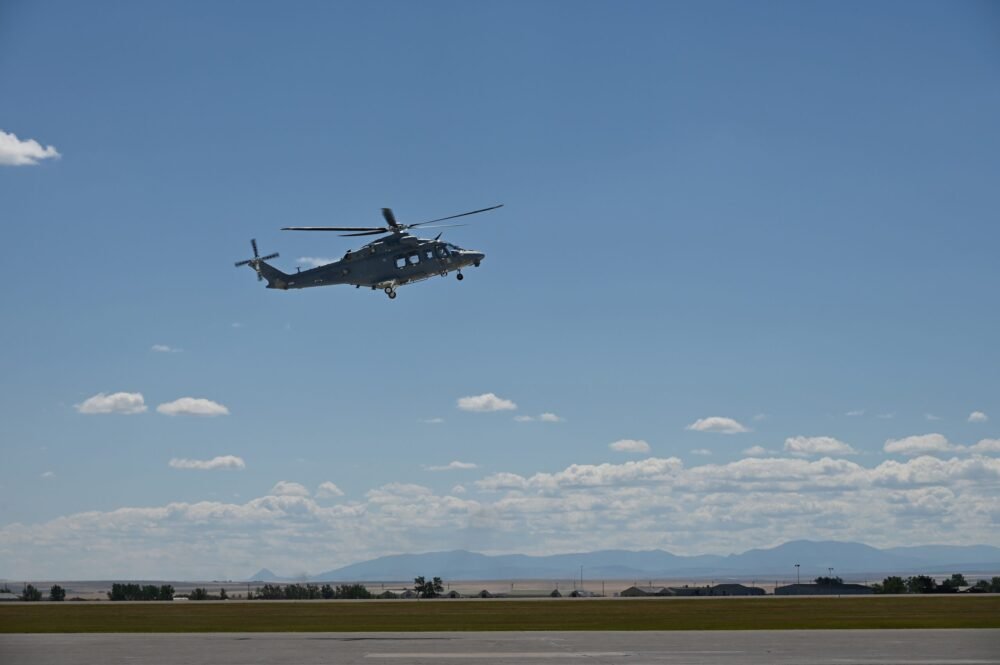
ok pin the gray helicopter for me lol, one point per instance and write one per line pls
(389, 262)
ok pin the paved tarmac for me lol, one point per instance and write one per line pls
(805, 647)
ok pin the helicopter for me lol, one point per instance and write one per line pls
(389, 262)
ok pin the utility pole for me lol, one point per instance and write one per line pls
(797, 580)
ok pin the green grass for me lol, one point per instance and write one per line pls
(458, 615)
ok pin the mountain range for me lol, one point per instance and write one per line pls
(815, 558)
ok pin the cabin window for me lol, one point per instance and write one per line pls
(400, 261)
(429, 254)
(414, 258)
(442, 252)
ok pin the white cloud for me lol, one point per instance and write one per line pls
(220, 462)
(163, 348)
(978, 417)
(817, 445)
(328, 490)
(433, 421)
(759, 417)
(918, 445)
(755, 451)
(288, 488)
(704, 452)
(313, 261)
(48, 474)
(986, 446)
(542, 418)
(485, 402)
(126, 403)
(192, 406)
(855, 413)
(717, 424)
(15, 152)
(453, 466)
(458, 489)
(629, 446)
(931, 416)
(645, 504)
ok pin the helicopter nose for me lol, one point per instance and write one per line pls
(476, 257)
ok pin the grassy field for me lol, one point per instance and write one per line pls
(458, 615)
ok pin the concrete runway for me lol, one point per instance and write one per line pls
(807, 647)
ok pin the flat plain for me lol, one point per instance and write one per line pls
(611, 614)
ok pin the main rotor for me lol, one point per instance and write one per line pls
(393, 226)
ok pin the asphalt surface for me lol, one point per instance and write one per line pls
(806, 647)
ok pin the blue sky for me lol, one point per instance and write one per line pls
(777, 214)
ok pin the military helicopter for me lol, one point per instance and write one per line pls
(389, 262)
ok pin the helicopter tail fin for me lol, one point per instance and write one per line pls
(275, 278)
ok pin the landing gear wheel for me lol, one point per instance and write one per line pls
(391, 292)
(460, 277)
(392, 295)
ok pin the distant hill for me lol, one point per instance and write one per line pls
(815, 558)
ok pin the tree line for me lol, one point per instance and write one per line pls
(927, 584)
(311, 592)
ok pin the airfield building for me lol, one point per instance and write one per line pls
(823, 590)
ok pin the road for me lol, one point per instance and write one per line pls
(804, 647)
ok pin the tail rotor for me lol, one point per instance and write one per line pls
(256, 260)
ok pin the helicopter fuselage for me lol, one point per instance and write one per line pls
(383, 264)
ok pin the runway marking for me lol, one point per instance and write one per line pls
(507, 654)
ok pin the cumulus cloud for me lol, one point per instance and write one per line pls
(978, 417)
(313, 261)
(192, 406)
(15, 152)
(817, 445)
(931, 416)
(717, 424)
(328, 490)
(986, 446)
(220, 462)
(755, 451)
(484, 403)
(458, 489)
(125, 403)
(629, 446)
(163, 348)
(453, 466)
(918, 445)
(288, 488)
(644, 504)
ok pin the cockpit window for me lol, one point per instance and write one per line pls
(442, 251)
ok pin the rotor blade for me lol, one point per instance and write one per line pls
(441, 219)
(444, 226)
(269, 257)
(390, 218)
(365, 233)
(334, 228)
(243, 263)
(253, 241)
